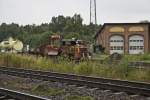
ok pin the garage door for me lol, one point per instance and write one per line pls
(136, 44)
(116, 44)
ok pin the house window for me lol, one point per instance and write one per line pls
(116, 47)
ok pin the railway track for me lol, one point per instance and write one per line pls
(93, 82)
(6, 94)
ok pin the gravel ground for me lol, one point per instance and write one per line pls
(62, 91)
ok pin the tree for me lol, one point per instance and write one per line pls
(3, 31)
(68, 27)
(144, 21)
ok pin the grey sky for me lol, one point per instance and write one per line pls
(41, 11)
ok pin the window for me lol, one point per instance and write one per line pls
(121, 41)
(141, 40)
(141, 47)
(134, 40)
(116, 41)
(136, 47)
(116, 47)
(111, 48)
(130, 40)
(111, 41)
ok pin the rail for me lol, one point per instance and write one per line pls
(18, 95)
(139, 88)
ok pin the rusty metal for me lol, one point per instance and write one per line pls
(70, 48)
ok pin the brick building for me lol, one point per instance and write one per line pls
(124, 38)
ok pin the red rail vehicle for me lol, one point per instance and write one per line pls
(72, 48)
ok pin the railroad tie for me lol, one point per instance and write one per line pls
(82, 90)
(92, 91)
(3, 97)
(106, 95)
(99, 92)
(120, 96)
(137, 97)
(148, 98)
(57, 84)
(71, 87)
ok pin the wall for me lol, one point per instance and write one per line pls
(129, 29)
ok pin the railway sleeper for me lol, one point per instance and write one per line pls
(120, 96)
(105, 95)
(78, 83)
(3, 97)
(148, 98)
(137, 97)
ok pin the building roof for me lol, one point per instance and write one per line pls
(105, 24)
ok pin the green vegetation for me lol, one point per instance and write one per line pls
(144, 57)
(116, 71)
(42, 89)
(35, 35)
(79, 98)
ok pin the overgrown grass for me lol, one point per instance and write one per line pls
(116, 71)
(74, 97)
(42, 89)
(139, 57)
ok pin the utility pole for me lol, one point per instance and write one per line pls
(93, 14)
(93, 20)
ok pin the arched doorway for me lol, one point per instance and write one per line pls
(136, 44)
(116, 44)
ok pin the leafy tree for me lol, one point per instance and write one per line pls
(35, 35)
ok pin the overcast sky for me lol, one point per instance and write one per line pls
(41, 11)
